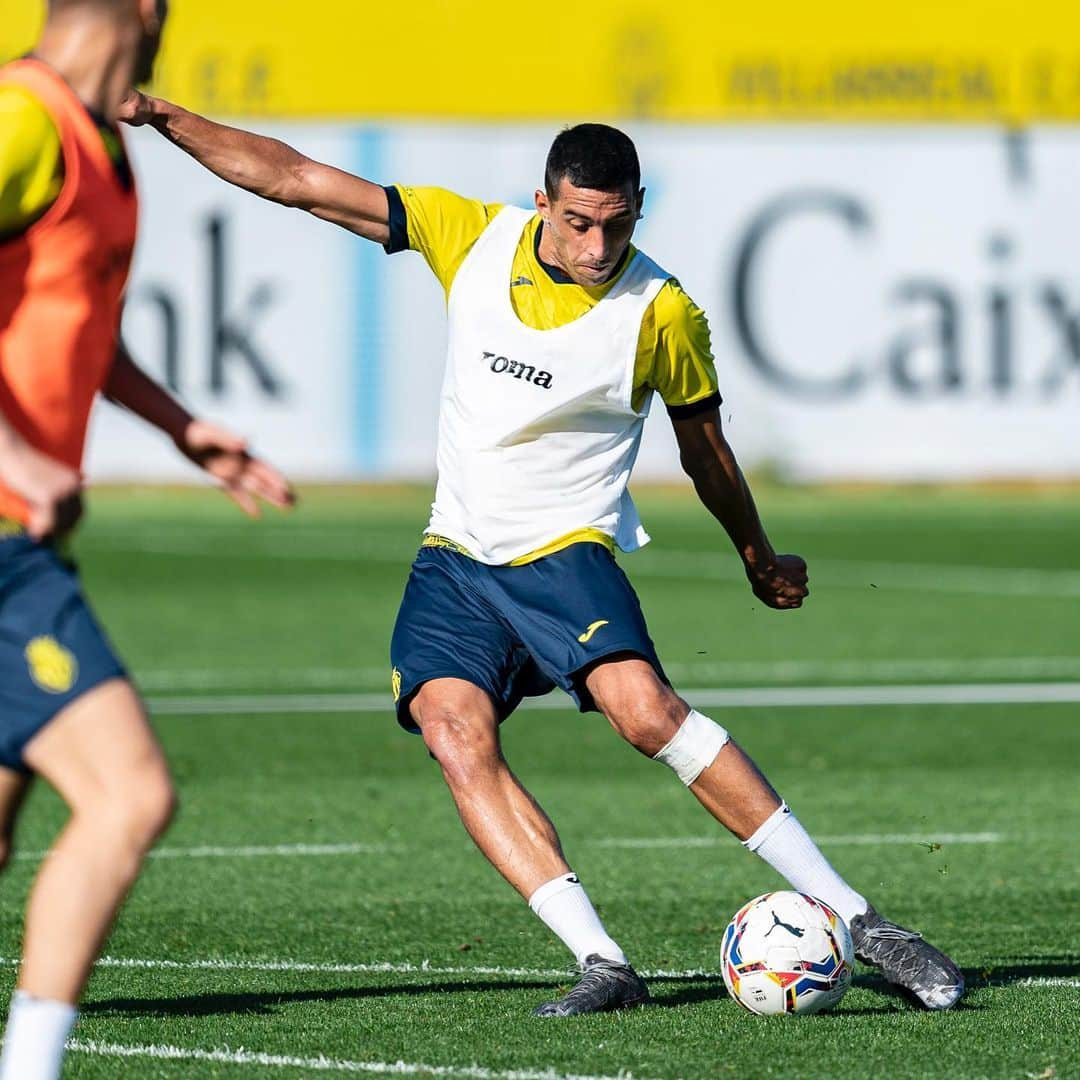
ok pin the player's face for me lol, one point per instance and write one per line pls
(152, 15)
(587, 231)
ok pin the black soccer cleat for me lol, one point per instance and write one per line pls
(906, 960)
(603, 987)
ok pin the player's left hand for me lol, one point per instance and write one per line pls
(781, 583)
(245, 479)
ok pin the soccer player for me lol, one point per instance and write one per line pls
(560, 331)
(67, 710)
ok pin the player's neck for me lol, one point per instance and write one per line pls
(546, 253)
(93, 58)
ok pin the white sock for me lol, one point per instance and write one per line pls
(786, 846)
(37, 1030)
(566, 909)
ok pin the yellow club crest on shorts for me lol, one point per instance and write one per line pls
(395, 684)
(52, 667)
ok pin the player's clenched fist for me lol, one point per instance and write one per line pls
(136, 109)
(781, 583)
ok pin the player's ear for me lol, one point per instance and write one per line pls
(543, 203)
(640, 203)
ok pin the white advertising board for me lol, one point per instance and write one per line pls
(886, 303)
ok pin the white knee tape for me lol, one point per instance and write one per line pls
(694, 747)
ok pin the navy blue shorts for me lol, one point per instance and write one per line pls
(514, 631)
(52, 649)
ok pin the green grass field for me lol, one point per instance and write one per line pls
(317, 906)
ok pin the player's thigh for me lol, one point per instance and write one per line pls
(53, 651)
(103, 758)
(574, 610)
(636, 701)
(447, 634)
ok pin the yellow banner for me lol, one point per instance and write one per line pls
(701, 60)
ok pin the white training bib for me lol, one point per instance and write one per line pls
(537, 434)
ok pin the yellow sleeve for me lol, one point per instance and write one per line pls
(442, 226)
(675, 351)
(31, 160)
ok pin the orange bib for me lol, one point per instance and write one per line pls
(61, 286)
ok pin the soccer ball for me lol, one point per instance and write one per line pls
(785, 952)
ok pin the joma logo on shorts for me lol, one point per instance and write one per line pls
(500, 364)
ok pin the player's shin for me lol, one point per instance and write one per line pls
(565, 908)
(731, 788)
(787, 847)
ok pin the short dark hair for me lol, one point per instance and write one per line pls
(592, 156)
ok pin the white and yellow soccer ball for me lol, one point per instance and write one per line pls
(785, 952)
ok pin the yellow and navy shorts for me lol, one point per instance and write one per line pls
(514, 631)
(52, 649)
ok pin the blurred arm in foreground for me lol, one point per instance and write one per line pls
(267, 167)
(52, 490)
(224, 456)
(777, 580)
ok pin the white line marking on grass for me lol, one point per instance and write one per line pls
(322, 1064)
(270, 850)
(253, 851)
(722, 671)
(1072, 984)
(293, 851)
(754, 697)
(868, 839)
(302, 967)
(384, 967)
(929, 694)
(425, 967)
(993, 667)
(381, 967)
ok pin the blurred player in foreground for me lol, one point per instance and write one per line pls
(67, 710)
(559, 333)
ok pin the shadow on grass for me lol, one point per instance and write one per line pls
(1053, 967)
(265, 1003)
(714, 990)
(673, 991)
(992, 975)
(894, 1000)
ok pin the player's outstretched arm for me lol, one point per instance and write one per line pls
(267, 167)
(244, 478)
(777, 580)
